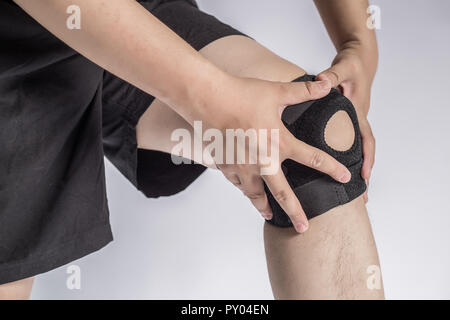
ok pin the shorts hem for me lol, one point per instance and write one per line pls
(82, 245)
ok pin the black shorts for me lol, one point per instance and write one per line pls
(59, 115)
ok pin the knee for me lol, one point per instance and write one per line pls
(331, 125)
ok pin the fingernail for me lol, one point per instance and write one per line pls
(301, 227)
(268, 216)
(345, 177)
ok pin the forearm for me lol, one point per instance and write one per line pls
(345, 21)
(123, 38)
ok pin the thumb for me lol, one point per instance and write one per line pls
(298, 92)
(337, 74)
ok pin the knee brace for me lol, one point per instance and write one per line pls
(316, 191)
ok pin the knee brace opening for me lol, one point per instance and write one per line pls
(339, 132)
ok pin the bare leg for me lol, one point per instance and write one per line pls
(329, 261)
(19, 290)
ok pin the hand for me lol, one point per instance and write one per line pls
(257, 104)
(352, 71)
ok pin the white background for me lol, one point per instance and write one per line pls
(207, 241)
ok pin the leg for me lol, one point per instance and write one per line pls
(19, 290)
(331, 259)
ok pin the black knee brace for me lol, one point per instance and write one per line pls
(316, 191)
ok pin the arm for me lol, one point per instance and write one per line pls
(356, 62)
(345, 21)
(122, 37)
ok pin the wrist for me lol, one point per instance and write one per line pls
(206, 93)
(367, 53)
(198, 89)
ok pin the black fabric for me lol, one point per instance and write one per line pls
(292, 113)
(56, 110)
(316, 191)
(196, 27)
(123, 105)
(53, 206)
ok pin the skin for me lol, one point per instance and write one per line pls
(229, 102)
(329, 262)
(18, 290)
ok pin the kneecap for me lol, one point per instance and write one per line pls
(329, 124)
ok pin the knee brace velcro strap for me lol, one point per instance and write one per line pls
(316, 191)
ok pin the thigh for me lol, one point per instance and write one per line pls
(245, 57)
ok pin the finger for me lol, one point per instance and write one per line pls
(366, 197)
(336, 74)
(296, 92)
(368, 146)
(369, 156)
(253, 188)
(234, 179)
(366, 193)
(283, 194)
(317, 159)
